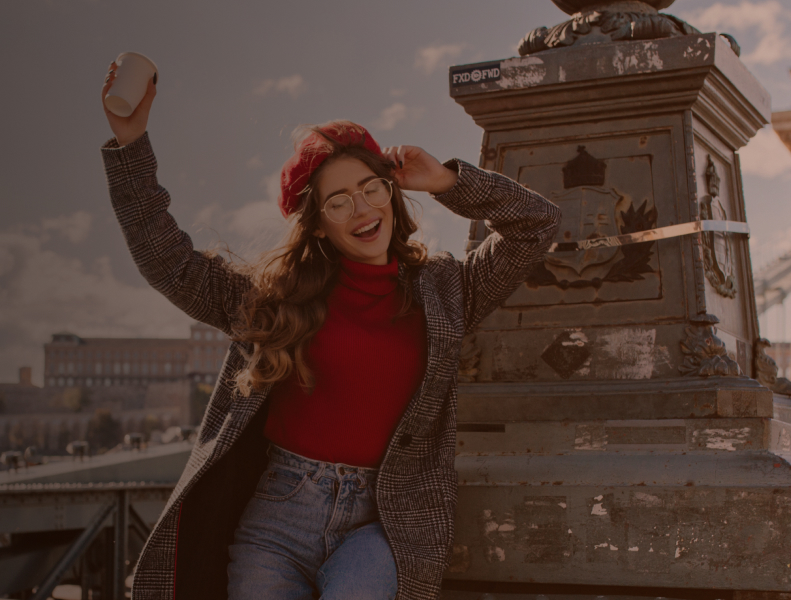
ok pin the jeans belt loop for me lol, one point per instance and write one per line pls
(319, 473)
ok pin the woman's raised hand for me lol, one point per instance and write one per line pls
(128, 129)
(416, 170)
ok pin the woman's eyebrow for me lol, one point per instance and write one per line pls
(344, 190)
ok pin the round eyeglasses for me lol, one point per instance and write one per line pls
(340, 208)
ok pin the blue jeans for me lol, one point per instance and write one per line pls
(311, 530)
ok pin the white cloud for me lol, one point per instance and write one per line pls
(391, 116)
(42, 292)
(74, 227)
(431, 57)
(251, 228)
(255, 162)
(394, 114)
(293, 85)
(769, 20)
(765, 155)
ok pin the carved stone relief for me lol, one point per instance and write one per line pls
(717, 250)
(766, 369)
(610, 25)
(704, 353)
(591, 211)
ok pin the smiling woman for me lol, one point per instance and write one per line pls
(325, 461)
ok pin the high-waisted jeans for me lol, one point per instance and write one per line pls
(311, 530)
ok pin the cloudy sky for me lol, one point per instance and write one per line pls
(236, 77)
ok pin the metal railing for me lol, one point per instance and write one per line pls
(51, 532)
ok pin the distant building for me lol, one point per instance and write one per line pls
(139, 380)
(73, 361)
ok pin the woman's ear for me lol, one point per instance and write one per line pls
(319, 233)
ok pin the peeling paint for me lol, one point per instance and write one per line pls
(599, 497)
(590, 437)
(640, 59)
(784, 442)
(562, 504)
(631, 352)
(522, 72)
(576, 338)
(721, 439)
(599, 510)
(634, 549)
(613, 547)
(495, 553)
(602, 545)
(561, 74)
(643, 499)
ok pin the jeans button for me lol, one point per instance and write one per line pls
(341, 471)
(405, 440)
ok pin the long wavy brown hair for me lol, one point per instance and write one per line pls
(287, 304)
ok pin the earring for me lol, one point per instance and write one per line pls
(318, 242)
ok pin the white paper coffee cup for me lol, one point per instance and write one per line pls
(133, 70)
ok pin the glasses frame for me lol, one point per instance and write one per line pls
(351, 198)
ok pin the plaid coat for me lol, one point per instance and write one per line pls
(186, 553)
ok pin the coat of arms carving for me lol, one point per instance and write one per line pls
(592, 211)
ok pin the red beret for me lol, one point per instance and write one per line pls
(311, 152)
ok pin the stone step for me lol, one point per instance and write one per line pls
(616, 435)
(703, 521)
(680, 398)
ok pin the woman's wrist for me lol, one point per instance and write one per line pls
(124, 141)
(445, 183)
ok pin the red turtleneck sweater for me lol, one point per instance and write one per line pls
(367, 369)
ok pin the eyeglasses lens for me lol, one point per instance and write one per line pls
(376, 192)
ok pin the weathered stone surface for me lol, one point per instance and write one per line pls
(614, 435)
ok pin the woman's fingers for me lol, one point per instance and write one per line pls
(108, 81)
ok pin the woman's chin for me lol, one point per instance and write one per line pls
(372, 253)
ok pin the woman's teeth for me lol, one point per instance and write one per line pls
(368, 227)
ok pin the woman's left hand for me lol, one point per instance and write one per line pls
(418, 171)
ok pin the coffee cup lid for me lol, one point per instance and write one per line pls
(143, 56)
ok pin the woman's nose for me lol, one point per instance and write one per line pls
(360, 205)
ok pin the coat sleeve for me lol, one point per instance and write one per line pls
(203, 286)
(523, 225)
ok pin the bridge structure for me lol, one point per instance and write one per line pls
(83, 522)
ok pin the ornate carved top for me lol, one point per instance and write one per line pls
(574, 6)
(614, 21)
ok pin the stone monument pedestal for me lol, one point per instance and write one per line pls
(612, 436)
